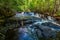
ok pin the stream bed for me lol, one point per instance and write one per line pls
(36, 27)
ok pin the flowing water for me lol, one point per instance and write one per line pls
(37, 27)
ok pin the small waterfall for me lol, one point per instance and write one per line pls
(42, 26)
(29, 13)
(50, 18)
(37, 15)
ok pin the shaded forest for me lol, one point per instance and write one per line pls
(8, 9)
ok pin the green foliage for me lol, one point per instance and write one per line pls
(37, 5)
(31, 5)
(8, 8)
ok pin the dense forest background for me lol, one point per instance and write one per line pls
(9, 7)
(41, 6)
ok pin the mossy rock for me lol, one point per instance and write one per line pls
(6, 12)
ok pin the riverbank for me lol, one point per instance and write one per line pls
(57, 19)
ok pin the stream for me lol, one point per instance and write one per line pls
(36, 27)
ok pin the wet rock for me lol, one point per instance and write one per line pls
(33, 30)
(45, 31)
(27, 34)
